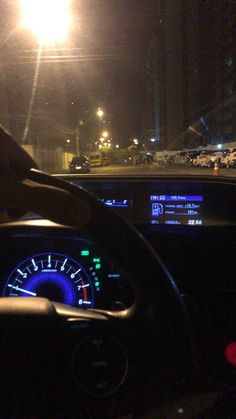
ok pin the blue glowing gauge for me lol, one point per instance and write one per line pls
(54, 276)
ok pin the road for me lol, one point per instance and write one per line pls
(158, 170)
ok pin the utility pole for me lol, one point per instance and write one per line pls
(77, 138)
(203, 121)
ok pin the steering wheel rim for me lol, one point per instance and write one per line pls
(102, 218)
(158, 312)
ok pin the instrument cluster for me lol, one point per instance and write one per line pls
(69, 270)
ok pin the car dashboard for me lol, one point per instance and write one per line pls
(191, 224)
(169, 201)
(189, 221)
(56, 264)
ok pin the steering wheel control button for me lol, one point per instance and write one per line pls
(230, 353)
(100, 365)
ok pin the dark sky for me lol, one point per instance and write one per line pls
(111, 37)
(120, 30)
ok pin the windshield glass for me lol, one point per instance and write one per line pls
(135, 86)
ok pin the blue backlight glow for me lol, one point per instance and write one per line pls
(176, 209)
(176, 198)
(54, 276)
(116, 203)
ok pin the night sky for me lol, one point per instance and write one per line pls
(111, 38)
(124, 28)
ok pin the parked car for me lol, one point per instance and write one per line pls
(232, 162)
(181, 159)
(106, 161)
(170, 160)
(190, 157)
(201, 159)
(226, 161)
(80, 164)
(208, 159)
(218, 156)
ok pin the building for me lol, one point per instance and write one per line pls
(218, 68)
(173, 88)
(192, 74)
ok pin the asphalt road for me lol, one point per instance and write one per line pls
(158, 169)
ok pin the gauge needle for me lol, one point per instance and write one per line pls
(22, 290)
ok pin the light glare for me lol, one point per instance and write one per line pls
(100, 112)
(48, 19)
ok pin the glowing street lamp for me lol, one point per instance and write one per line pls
(100, 113)
(48, 19)
(105, 134)
(117, 146)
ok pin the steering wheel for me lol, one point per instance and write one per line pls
(77, 363)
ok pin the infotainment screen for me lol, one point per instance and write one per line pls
(177, 209)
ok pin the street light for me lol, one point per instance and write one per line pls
(100, 113)
(105, 134)
(117, 146)
(48, 19)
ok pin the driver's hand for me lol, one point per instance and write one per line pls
(19, 195)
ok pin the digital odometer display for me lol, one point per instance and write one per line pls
(176, 209)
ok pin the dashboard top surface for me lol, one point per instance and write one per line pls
(156, 200)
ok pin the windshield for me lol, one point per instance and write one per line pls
(135, 86)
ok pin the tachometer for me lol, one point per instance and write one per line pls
(54, 276)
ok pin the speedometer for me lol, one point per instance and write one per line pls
(54, 276)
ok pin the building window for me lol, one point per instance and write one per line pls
(228, 92)
(228, 25)
(229, 61)
(228, 130)
(228, 115)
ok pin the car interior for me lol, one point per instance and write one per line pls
(130, 106)
(135, 313)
